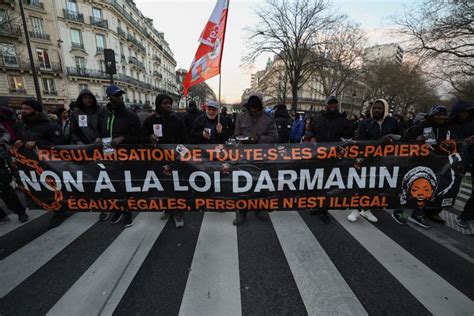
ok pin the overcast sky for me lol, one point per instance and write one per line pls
(182, 21)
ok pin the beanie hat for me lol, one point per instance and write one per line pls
(437, 109)
(37, 106)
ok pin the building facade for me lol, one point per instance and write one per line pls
(385, 53)
(71, 43)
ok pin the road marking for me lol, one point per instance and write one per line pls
(435, 293)
(25, 261)
(15, 224)
(213, 286)
(100, 289)
(322, 288)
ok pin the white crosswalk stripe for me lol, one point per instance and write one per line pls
(213, 284)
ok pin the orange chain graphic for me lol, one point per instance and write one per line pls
(58, 195)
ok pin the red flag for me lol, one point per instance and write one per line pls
(207, 61)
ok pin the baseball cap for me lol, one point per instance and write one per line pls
(113, 90)
(332, 99)
(213, 104)
(437, 109)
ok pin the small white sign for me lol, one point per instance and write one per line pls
(82, 120)
(107, 142)
(158, 130)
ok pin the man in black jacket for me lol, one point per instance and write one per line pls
(379, 126)
(328, 126)
(123, 127)
(165, 127)
(206, 130)
(283, 122)
(88, 120)
(192, 113)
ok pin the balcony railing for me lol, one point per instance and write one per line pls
(136, 62)
(99, 22)
(10, 29)
(39, 35)
(50, 92)
(157, 59)
(132, 39)
(77, 45)
(121, 32)
(50, 67)
(100, 50)
(73, 16)
(157, 74)
(34, 3)
(88, 73)
(19, 91)
(13, 62)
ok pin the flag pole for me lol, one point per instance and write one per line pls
(219, 109)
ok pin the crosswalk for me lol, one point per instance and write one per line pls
(292, 263)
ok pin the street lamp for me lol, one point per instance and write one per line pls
(30, 53)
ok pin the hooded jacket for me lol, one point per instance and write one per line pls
(329, 126)
(462, 130)
(371, 129)
(122, 122)
(283, 122)
(93, 123)
(259, 126)
(204, 122)
(172, 127)
(40, 129)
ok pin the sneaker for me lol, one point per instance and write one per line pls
(436, 219)
(4, 219)
(353, 216)
(116, 217)
(399, 218)
(104, 216)
(127, 221)
(369, 216)
(23, 218)
(178, 221)
(462, 222)
(261, 216)
(419, 220)
(240, 219)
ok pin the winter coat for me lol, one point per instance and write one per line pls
(173, 129)
(297, 131)
(462, 130)
(204, 122)
(283, 122)
(66, 129)
(122, 122)
(370, 129)
(260, 126)
(93, 126)
(40, 129)
(190, 117)
(329, 127)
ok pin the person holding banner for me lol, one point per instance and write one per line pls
(328, 126)
(123, 127)
(379, 126)
(206, 129)
(257, 127)
(165, 127)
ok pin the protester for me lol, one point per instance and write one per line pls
(8, 135)
(207, 130)
(328, 126)
(283, 122)
(123, 127)
(37, 129)
(432, 131)
(379, 126)
(145, 113)
(260, 128)
(65, 124)
(229, 119)
(297, 128)
(165, 127)
(192, 113)
(461, 121)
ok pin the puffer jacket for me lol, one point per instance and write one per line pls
(40, 129)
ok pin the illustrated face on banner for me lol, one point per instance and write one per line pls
(421, 190)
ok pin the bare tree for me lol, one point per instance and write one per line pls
(288, 29)
(340, 56)
(201, 92)
(444, 30)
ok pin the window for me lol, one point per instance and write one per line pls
(43, 58)
(80, 63)
(9, 54)
(3, 16)
(37, 26)
(16, 84)
(49, 87)
(100, 42)
(102, 65)
(71, 5)
(83, 86)
(97, 14)
(76, 38)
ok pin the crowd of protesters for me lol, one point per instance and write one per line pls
(88, 123)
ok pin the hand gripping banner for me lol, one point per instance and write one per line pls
(207, 61)
(241, 177)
